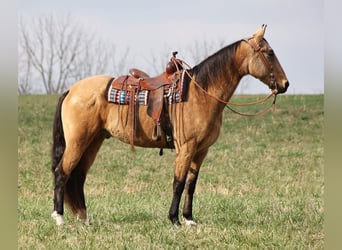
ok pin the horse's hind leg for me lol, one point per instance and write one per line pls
(74, 190)
(71, 157)
(70, 176)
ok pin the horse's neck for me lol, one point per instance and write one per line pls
(221, 73)
(223, 87)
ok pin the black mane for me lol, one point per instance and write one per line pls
(214, 66)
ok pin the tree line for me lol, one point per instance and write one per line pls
(56, 51)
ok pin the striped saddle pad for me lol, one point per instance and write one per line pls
(123, 96)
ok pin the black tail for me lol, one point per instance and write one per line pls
(58, 146)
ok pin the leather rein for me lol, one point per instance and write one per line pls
(274, 92)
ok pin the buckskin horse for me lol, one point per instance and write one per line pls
(84, 119)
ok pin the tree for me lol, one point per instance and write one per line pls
(56, 51)
(24, 72)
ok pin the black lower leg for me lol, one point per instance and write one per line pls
(187, 208)
(74, 194)
(178, 187)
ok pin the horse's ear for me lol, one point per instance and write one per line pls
(259, 34)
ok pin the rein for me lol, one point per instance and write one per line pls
(227, 103)
(273, 93)
(260, 112)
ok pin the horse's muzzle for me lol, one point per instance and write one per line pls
(283, 88)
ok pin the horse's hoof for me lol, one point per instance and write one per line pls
(189, 222)
(87, 221)
(58, 218)
(175, 222)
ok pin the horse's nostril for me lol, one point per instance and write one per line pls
(287, 84)
(283, 88)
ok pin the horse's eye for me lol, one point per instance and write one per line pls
(271, 53)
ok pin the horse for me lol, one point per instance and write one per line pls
(84, 119)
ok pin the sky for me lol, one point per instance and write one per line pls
(294, 30)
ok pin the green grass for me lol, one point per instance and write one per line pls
(260, 187)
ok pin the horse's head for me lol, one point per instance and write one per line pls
(262, 63)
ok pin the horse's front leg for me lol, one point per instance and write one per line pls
(183, 161)
(190, 186)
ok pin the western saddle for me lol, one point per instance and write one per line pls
(139, 80)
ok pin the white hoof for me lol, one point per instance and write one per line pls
(58, 218)
(189, 222)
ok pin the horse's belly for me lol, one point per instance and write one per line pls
(121, 125)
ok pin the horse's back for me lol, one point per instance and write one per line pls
(90, 86)
(87, 95)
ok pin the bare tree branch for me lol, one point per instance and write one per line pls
(158, 61)
(24, 76)
(58, 51)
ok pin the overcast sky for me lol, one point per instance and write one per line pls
(295, 30)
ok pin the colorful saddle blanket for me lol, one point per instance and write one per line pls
(172, 95)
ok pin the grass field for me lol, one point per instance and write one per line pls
(260, 187)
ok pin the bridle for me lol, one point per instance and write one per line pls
(267, 65)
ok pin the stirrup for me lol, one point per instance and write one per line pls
(156, 132)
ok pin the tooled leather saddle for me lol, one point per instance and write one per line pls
(139, 81)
